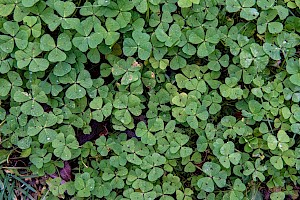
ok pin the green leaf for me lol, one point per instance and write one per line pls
(232, 6)
(177, 62)
(6, 9)
(211, 168)
(206, 184)
(123, 19)
(12, 28)
(129, 47)
(102, 146)
(63, 152)
(235, 158)
(96, 103)
(6, 43)
(155, 174)
(38, 64)
(144, 50)
(249, 13)
(180, 99)
(112, 25)
(277, 196)
(254, 106)
(24, 143)
(47, 43)
(187, 3)
(134, 159)
(289, 158)
(277, 162)
(14, 78)
(61, 69)
(64, 9)
(129, 77)
(32, 108)
(185, 151)
(197, 35)
(228, 121)
(205, 49)
(272, 50)
(295, 79)
(272, 142)
(75, 92)
(275, 27)
(57, 55)
(189, 49)
(29, 3)
(21, 96)
(282, 136)
(4, 87)
(123, 116)
(64, 42)
(47, 135)
(239, 185)
(192, 121)
(84, 79)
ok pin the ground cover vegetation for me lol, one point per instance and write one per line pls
(150, 99)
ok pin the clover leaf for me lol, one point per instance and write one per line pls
(30, 102)
(256, 170)
(29, 56)
(228, 155)
(104, 145)
(56, 51)
(247, 12)
(172, 38)
(256, 109)
(140, 43)
(125, 105)
(34, 23)
(129, 70)
(177, 143)
(100, 110)
(286, 157)
(216, 176)
(64, 9)
(146, 133)
(86, 38)
(14, 82)
(187, 3)
(151, 99)
(116, 176)
(216, 61)
(257, 56)
(206, 40)
(40, 157)
(63, 145)
(272, 50)
(84, 184)
(195, 112)
(281, 141)
(41, 126)
(152, 163)
(194, 84)
(29, 3)
(79, 84)
(7, 8)
(293, 68)
(236, 47)
(16, 36)
(277, 196)
(230, 89)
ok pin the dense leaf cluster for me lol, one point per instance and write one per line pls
(197, 99)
